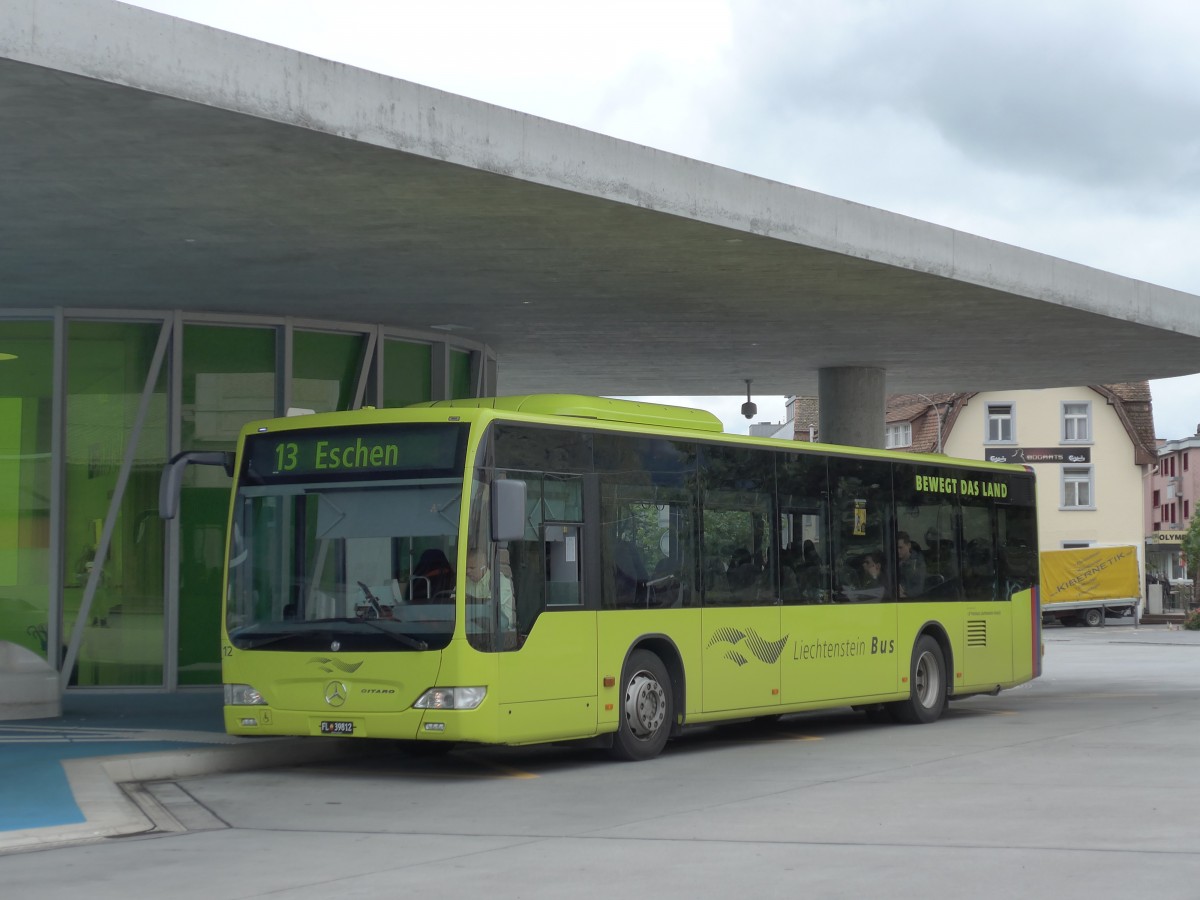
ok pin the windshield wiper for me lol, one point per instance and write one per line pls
(251, 643)
(245, 642)
(399, 637)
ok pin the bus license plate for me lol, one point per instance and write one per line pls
(337, 728)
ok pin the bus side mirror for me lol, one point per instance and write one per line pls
(172, 476)
(508, 510)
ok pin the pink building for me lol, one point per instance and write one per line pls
(1173, 490)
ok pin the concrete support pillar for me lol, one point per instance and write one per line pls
(852, 406)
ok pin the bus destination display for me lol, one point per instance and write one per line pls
(348, 452)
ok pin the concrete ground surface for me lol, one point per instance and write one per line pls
(1085, 783)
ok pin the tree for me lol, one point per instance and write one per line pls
(1191, 547)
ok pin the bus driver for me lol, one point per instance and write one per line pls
(479, 590)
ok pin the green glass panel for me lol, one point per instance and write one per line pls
(460, 375)
(325, 370)
(107, 366)
(406, 373)
(26, 412)
(228, 380)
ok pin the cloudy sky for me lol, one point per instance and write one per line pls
(1071, 128)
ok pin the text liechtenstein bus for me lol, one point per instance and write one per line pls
(518, 570)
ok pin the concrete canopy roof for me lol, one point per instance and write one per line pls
(151, 163)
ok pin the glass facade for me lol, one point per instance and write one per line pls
(228, 380)
(26, 417)
(460, 375)
(90, 410)
(407, 373)
(108, 365)
(325, 370)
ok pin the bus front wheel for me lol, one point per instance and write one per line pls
(647, 708)
(927, 685)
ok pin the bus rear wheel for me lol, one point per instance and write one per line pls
(647, 708)
(927, 685)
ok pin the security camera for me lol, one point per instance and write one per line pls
(749, 410)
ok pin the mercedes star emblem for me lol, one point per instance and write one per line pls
(335, 693)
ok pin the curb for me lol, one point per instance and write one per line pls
(110, 812)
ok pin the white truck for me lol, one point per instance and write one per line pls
(1084, 585)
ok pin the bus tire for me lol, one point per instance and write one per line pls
(926, 685)
(647, 708)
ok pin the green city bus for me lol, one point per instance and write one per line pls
(526, 569)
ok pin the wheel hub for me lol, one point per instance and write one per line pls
(645, 705)
(925, 680)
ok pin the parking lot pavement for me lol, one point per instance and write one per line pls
(1076, 785)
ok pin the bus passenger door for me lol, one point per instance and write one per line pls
(741, 643)
(547, 668)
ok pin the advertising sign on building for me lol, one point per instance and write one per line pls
(1030, 455)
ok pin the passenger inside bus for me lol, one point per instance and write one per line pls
(743, 571)
(869, 584)
(911, 566)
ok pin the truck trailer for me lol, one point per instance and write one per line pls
(1084, 585)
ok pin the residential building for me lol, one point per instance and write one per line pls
(1174, 489)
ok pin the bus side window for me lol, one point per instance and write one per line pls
(862, 516)
(1018, 550)
(648, 527)
(804, 543)
(929, 522)
(526, 557)
(737, 502)
(978, 558)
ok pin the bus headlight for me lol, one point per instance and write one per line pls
(243, 695)
(451, 698)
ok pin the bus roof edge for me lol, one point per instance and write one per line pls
(605, 409)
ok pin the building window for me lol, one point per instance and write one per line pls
(1077, 426)
(899, 435)
(1077, 487)
(1186, 508)
(1157, 499)
(1185, 461)
(1075, 545)
(1000, 423)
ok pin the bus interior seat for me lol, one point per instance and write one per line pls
(665, 588)
(431, 576)
(503, 565)
(629, 573)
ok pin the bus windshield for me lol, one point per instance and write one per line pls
(344, 536)
(367, 566)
